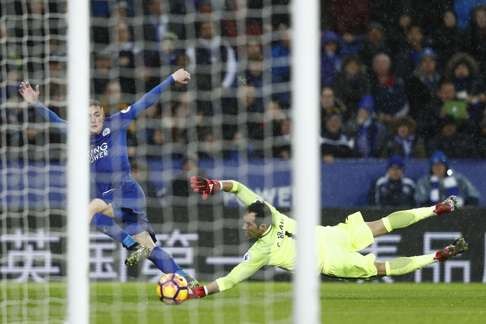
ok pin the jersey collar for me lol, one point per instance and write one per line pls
(267, 231)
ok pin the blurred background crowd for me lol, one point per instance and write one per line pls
(397, 82)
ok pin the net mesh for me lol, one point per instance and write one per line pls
(231, 121)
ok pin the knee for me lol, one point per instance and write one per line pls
(97, 206)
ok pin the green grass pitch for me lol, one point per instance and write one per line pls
(253, 302)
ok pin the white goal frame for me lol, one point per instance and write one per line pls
(305, 156)
(78, 166)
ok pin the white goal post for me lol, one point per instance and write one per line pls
(305, 148)
(78, 167)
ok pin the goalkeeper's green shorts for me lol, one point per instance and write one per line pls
(340, 245)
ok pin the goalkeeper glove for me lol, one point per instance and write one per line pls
(198, 292)
(205, 187)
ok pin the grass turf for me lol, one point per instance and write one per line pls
(253, 303)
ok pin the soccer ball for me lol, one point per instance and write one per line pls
(172, 289)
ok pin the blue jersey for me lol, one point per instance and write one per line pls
(108, 155)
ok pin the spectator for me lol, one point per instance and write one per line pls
(350, 45)
(429, 118)
(463, 70)
(101, 73)
(403, 141)
(281, 139)
(451, 141)
(254, 73)
(280, 56)
(423, 83)
(351, 83)
(212, 51)
(463, 10)
(123, 51)
(156, 23)
(330, 105)
(442, 182)
(254, 63)
(254, 49)
(393, 189)
(374, 43)
(281, 63)
(388, 91)
(330, 58)
(397, 35)
(369, 134)
(476, 36)
(408, 57)
(162, 55)
(334, 143)
(448, 38)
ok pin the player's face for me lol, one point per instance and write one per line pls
(252, 231)
(96, 119)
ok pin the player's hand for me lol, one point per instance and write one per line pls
(205, 187)
(197, 292)
(29, 94)
(181, 76)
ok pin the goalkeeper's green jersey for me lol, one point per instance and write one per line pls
(275, 248)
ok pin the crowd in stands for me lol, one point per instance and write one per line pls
(404, 86)
(395, 189)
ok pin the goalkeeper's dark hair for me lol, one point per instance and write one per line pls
(263, 214)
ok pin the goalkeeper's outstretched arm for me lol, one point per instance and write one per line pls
(207, 187)
(252, 262)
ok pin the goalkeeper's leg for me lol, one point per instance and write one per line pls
(404, 218)
(404, 265)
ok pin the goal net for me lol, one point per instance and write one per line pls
(232, 121)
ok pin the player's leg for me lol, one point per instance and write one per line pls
(404, 218)
(99, 206)
(142, 232)
(108, 226)
(404, 265)
(101, 216)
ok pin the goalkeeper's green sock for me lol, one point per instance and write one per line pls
(404, 218)
(404, 265)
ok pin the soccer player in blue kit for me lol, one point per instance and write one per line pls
(115, 195)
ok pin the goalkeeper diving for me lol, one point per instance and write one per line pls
(337, 246)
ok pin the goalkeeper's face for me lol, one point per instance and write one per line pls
(251, 228)
(96, 119)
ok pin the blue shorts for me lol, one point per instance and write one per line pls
(129, 207)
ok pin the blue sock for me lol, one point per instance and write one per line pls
(163, 261)
(108, 226)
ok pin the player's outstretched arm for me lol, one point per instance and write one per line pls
(150, 98)
(207, 187)
(252, 262)
(31, 96)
